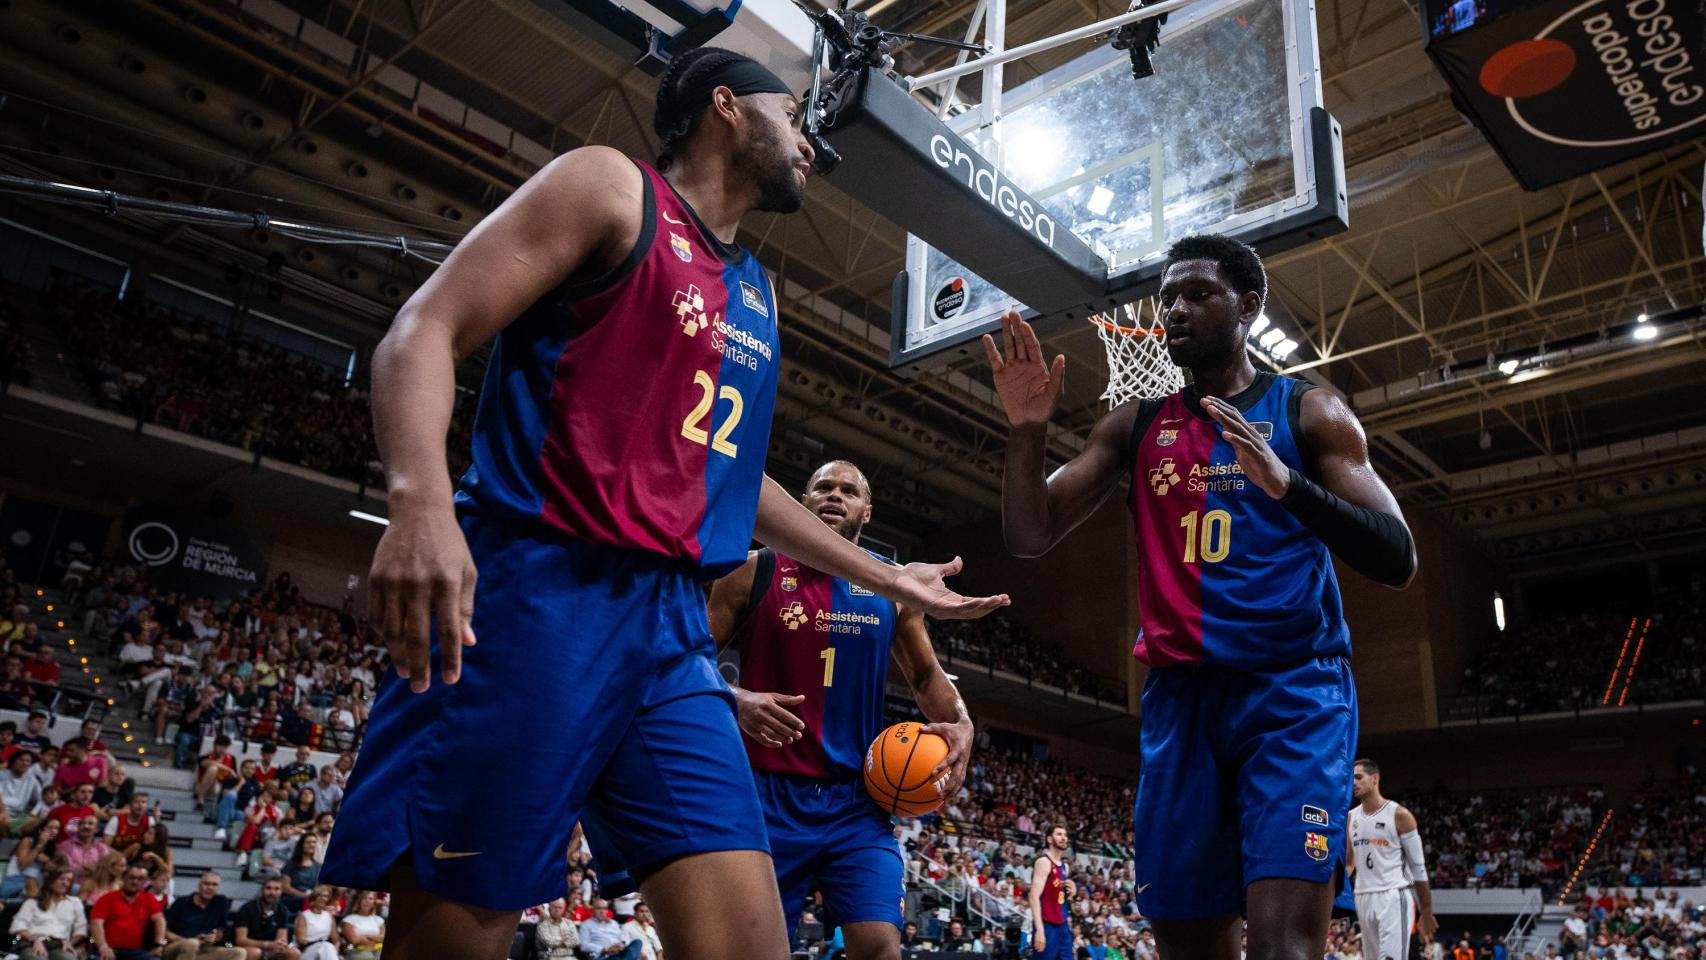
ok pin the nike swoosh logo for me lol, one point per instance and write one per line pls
(1145, 886)
(679, 223)
(1174, 420)
(439, 853)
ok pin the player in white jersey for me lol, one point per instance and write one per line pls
(1387, 866)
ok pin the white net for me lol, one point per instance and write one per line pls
(1138, 365)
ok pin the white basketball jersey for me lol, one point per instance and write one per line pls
(1375, 849)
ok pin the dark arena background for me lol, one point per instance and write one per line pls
(1482, 227)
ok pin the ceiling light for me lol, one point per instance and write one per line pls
(1646, 331)
(1259, 324)
(1284, 348)
(1499, 611)
(370, 518)
(1101, 199)
(1508, 367)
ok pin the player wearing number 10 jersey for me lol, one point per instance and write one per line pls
(619, 452)
(1240, 484)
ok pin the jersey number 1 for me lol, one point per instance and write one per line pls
(708, 390)
(1213, 539)
(827, 655)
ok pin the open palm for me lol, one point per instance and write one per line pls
(1027, 386)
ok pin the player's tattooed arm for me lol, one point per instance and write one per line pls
(1038, 510)
(936, 696)
(764, 716)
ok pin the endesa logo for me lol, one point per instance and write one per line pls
(985, 181)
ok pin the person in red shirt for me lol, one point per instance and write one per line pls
(128, 923)
(267, 770)
(218, 768)
(41, 669)
(75, 809)
(79, 767)
(129, 827)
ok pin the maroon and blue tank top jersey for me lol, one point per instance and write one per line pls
(814, 635)
(634, 410)
(1225, 574)
(1053, 898)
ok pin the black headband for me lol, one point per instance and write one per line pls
(741, 75)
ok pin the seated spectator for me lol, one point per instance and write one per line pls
(275, 853)
(79, 767)
(37, 850)
(363, 929)
(261, 818)
(42, 671)
(217, 769)
(85, 848)
(107, 877)
(20, 792)
(16, 691)
(89, 737)
(51, 925)
(302, 771)
(265, 925)
(328, 792)
(300, 728)
(126, 828)
(316, 929)
(557, 937)
(79, 806)
(128, 923)
(306, 809)
(266, 770)
(302, 873)
(8, 740)
(173, 701)
(322, 830)
(154, 851)
(602, 936)
(195, 925)
(114, 794)
(206, 711)
(34, 736)
(643, 929)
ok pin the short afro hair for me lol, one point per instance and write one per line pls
(670, 119)
(1241, 264)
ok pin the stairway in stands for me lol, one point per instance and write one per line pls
(195, 851)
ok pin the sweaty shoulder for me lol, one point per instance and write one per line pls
(596, 189)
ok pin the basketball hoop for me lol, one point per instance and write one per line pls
(1138, 365)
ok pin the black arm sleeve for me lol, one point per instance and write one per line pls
(1376, 545)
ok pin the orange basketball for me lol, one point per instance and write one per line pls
(897, 769)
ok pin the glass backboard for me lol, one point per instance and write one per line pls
(1228, 136)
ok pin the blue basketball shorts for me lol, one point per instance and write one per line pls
(1057, 943)
(1246, 776)
(830, 835)
(591, 695)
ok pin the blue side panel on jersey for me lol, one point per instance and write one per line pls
(853, 713)
(726, 531)
(1281, 593)
(514, 412)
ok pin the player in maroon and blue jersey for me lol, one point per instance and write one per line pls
(618, 452)
(814, 665)
(1051, 893)
(1242, 485)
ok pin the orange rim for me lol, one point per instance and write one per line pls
(1113, 327)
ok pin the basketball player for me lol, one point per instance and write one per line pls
(1051, 891)
(814, 667)
(618, 462)
(1386, 864)
(1241, 484)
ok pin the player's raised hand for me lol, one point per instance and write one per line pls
(1259, 462)
(953, 765)
(1028, 386)
(921, 586)
(765, 717)
(423, 570)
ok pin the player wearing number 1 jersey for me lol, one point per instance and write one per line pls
(618, 452)
(814, 656)
(1240, 485)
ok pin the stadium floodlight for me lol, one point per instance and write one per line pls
(1499, 611)
(1508, 367)
(1644, 328)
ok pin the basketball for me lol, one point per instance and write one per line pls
(897, 769)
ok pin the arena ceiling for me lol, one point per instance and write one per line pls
(1449, 268)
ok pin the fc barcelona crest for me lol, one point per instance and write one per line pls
(1166, 438)
(682, 248)
(790, 584)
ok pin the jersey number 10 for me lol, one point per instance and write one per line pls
(1212, 539)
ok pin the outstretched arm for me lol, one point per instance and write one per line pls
(1411, 840)
(1350, 509)
(1038, 511)
(936, 696)
(785, 525)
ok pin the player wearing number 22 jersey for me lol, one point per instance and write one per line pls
(814, 663)
(618, 465)
(1242, 487)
